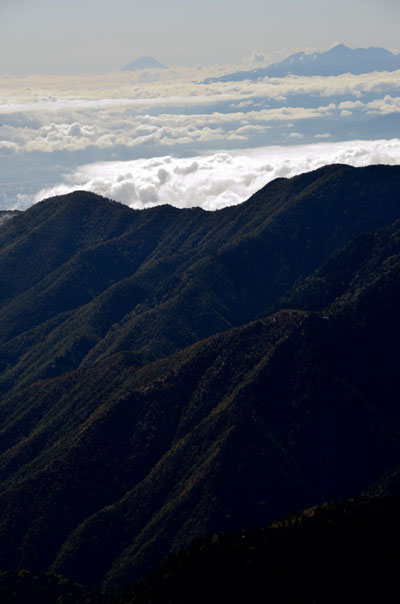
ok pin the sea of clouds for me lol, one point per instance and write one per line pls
(150, 137)
(185, 112)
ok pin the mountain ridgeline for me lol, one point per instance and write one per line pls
(336, 552)
(168, 373)
(336, 61)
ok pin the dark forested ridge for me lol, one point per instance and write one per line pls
(82, 278)
(336, 552)
(172, 373)
(343, 551)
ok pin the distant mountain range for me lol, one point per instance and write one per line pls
(168, 373)
(143, 63)
(338, 60)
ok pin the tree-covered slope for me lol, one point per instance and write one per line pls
(108, 460)
(24, 587)
(344, 551)
(336, 552)
(107, 468)
(83, 278)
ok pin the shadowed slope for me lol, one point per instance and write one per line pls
(335, 552)
(109, 461)
(158, 280)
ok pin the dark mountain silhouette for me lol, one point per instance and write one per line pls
(335, 552)
(143, 63)
(23, 587)
(174, 373)
(345, 551)
(336, 61)
(100, 278)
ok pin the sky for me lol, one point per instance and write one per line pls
(69, 118)
(76, 36)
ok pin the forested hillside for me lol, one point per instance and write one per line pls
(167, 374)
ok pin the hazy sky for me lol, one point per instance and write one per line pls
(72, 36)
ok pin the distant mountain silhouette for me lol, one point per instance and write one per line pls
(143, 63)
(336, 61)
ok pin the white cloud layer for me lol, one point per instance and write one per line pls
(214, 181)
(118, 111)
(53, 92)
(121, 126)
(51, 125)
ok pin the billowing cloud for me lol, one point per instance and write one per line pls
(53, 93)
(177, 112)
(123, 126)
(217, 180)
(8, 147)
(50, 125)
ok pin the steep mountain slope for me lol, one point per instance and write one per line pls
(23, 587)
(120, 279)
(337, 552)
(105, 469)
(345, 551)
(109, 461)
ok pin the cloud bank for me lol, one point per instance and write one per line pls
(52, 126)
(182, 112)
(217, 180)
